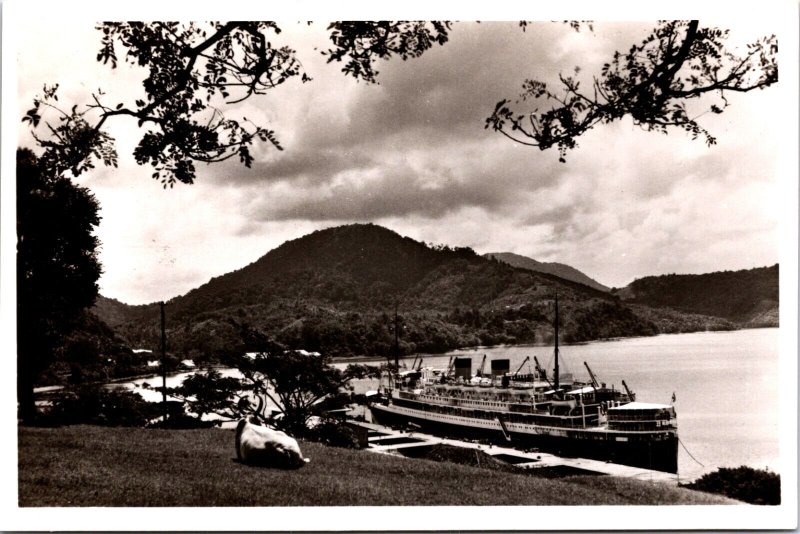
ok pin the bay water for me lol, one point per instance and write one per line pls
(725, 386)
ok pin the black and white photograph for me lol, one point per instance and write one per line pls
(529, 268)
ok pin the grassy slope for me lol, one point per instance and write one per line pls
(96, 466)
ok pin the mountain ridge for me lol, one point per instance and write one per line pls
(561, 270)
(748, 297)
(335, 291)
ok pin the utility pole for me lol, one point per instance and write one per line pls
(396, 339)
(163, 365)
(555, 371)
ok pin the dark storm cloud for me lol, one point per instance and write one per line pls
(437, 101)
(422, 184)
(309, 166)
(413, 145)
(450, 90)
(392, 196)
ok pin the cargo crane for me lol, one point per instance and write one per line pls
(483, 362)
(631, 394)
(449, 370)
(595, 384)
(526, 360)
(542, 372)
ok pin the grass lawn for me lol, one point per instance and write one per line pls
(98, 466)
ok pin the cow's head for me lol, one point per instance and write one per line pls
(261, 445)
(287, 455)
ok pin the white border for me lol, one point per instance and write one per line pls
(414, 518)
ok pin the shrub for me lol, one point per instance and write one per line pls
(333, 432)
(95, 405)
(179, 420)
(754, 486)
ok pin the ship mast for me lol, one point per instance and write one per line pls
(556, 384)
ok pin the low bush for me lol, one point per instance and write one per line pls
(96, 405)
(754, 486)
(178, 420)
(333, 432)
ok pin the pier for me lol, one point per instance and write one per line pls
(385, 440)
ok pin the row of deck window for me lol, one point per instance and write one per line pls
(572, 421)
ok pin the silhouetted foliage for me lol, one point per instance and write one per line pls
(651, 83)
(96, 405)
(754, 486)
(362, 42)
(92, 352)
(57, 268)
(196, 69)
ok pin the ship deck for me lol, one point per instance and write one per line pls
(388, 441)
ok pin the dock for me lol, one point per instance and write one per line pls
(386, 440)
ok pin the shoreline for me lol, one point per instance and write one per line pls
(364, 359)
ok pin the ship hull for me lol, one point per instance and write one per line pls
(649, 450)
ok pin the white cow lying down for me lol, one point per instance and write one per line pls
(261, 445)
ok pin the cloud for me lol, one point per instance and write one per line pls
(412, 153)
(431, 103)
(429, 182)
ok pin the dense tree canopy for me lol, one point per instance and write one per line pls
(194, 70)
(296, 383)
(57, 267)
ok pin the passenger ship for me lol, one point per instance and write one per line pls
(558, 415)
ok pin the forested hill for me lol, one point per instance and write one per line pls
(747, 297)
(559, 269)
(335, 291)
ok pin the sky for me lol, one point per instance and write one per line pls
(411, 153)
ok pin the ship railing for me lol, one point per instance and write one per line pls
(456, 401)
(563, 421)
(641, 425)
(663, 416)
(666, 430)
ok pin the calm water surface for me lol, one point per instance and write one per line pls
(725, 384)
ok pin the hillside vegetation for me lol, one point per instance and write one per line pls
(335, 291)
(141, 467)
(748, 298)
(558, 269)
